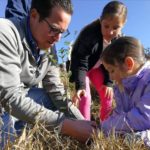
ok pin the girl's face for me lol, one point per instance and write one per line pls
(111, 27)
(116, 72)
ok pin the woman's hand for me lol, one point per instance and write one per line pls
(76, 98)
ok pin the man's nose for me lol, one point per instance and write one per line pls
(57, 37)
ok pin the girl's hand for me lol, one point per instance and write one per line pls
(76, 98)
(109, 92)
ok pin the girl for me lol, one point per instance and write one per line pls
(85, 64)
(126, 63)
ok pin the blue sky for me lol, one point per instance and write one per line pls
(85, 11)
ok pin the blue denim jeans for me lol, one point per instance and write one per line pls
(12, 126)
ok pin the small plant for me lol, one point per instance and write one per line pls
(63, 53)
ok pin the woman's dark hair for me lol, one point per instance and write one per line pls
(44, 7)
(119, 49)
(114, 8)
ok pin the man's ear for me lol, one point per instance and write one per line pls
(33, 13)
(129, 62)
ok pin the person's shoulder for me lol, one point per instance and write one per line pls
(4, 21)
(20, 26)
(92, 27)
(145, 72)
(8, 30)
(91, 31)
(6, 25)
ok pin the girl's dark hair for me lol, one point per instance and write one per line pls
(44, 7)
(119, 49)
(114, 8)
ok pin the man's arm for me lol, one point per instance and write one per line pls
(79, 129)
(55, 88)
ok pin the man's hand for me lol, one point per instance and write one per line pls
(81, 130)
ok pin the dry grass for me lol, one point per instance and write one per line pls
(39, 138)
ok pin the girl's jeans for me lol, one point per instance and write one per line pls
(12, 125)
(97, 78)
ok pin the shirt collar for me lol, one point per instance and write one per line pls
(33, 45)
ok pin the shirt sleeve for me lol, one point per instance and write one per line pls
(79, 63)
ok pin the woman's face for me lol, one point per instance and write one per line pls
(111, 27)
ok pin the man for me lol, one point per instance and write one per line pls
(22, 67)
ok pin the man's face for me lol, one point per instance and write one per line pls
(48, 31)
